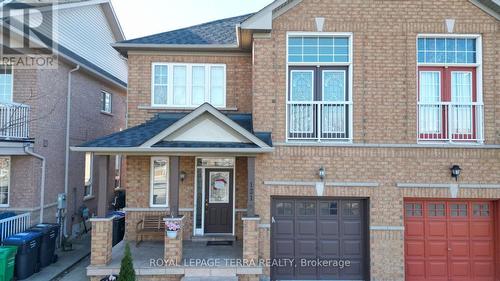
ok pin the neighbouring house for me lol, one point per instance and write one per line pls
(341, 132)
(37, 126)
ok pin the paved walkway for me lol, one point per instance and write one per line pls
(76, 273)
(81, 249)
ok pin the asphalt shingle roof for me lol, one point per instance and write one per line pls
(219, 32)
(135, 136)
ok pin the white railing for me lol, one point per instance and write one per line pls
(318, 120)
(13, 225)
(14, 121)
(450, 121)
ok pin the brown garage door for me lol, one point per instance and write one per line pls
(325, 238)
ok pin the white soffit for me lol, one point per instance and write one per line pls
(207, 128)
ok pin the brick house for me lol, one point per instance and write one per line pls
(341, 131)
(37, 126)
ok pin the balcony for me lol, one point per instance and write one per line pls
(319, 120)
(14, 121)
(450, 122)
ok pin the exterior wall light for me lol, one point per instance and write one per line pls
(455, 171)
(182, 175)
(322, 173)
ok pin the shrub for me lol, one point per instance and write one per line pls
(127, 272)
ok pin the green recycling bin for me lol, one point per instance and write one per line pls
(7, 262)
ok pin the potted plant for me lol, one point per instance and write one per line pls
(172, 228)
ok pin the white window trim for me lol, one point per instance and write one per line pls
(10, 181)
(189, 84)
(479, 81)
(106, 93)
(350, 70)
(85, 196)
(11, 84)
(151, 182)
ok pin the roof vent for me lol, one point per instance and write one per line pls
(319, 24)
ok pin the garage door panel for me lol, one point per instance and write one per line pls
(328, 273)
(306, 227)
(352, 228)
(351, 248)
(437, 249)
(458, 229)
(415, 249)
(459, 249)
(415, 270)
(483, 269)
(436, 230)
(328, 248)
(459, 269)
(283, 248)
(481, 229)
(305, 270)
(284, 227)
(305, 248)
(414, 229)
(437, 269)
(482, 249)
(328, 228)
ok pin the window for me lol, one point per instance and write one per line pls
(188, 85)
(351, 208)
(306, 208)
(413, 209)
(159, 182)
(89, 163)
(319, 103)
(481, 209)
(6, 84)
(118, 169)
(4, 180)
(449, 105)
(436, 209)
(106, 102)
(328, 208)
(458, 210)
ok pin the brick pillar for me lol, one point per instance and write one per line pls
(102, 241)
(251, 238)
(173, 246)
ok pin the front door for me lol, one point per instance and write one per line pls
(218, 201)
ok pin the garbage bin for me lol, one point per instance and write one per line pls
(118, 226)
(49, 233)
(28, 247)
(7, 262)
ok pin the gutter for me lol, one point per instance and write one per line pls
(42, 184)
(68, 123)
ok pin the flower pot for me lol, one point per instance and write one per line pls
(171, 234)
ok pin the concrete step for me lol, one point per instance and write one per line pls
(213, 238)
(210, 278)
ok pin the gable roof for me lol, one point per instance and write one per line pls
(491, 7)
(151, 136)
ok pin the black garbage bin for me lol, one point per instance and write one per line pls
(118, 226)
(49, 233)
(27, 257)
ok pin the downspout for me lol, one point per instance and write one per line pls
(42, 184)
(68, 121)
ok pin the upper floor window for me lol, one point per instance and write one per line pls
(188, 85)
(449, 100)
(319, 100)
(6, 84)
(106, 102)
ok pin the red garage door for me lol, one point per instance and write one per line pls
(449, 240)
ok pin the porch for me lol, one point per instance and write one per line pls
(198, 258)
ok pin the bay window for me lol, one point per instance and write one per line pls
(159, 182)
(449, 105)
(188, 85)
(319, 104)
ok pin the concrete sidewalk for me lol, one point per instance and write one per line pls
(81, 249)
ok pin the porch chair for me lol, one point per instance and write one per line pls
(150, 225)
